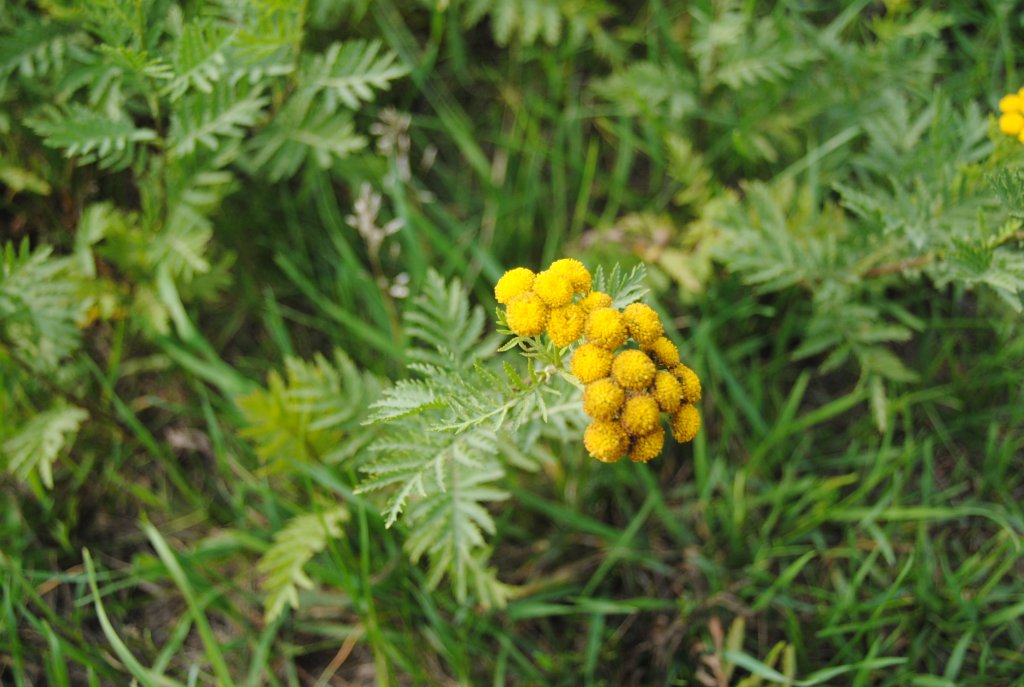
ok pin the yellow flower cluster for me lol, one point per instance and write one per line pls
(626, 391)
(1011, 122)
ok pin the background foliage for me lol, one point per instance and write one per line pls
(254, 428)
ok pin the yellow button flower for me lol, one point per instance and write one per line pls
(513, 283)
(643, 323)
(602, 399)
(565, 325)
(605, 440)
(640, 415)
(685, 423)
(553, 288)
(605, 327)
(591, 362)
(668, 391)
(1012, 103)
(1011, 123)
(689, 381)
(574, 271)
(648, 446)
(594, 300)
(633, 369)
(665, 352)
(527, 315)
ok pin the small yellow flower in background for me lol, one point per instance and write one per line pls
(640, 415)
(594, 300)
(565, 326)
(513, 283)
(665, 352)
(1011, 122)
(633, 370)
(606, 440)
(527, 314)
(668, 391)
(591, 362)
(603, 399)
(553, 288)
(575, 272)
(643, 323)
(606, 327)
(685, 423)
(626, 392)
(648, 446)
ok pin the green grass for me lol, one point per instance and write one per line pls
(798, 540)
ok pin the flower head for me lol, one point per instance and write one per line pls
(513, 283)
(1011, 103)
(590, 362)
(574, 271)
(605, 440)
(643, 323)
(668, 391)
(565, 325)
(647, 447)
(602, 399)
(526, 314)
(689, 381)
(685, 423)
(664, 351)
(595, 300)
(553, 288)
(1011, 122)
(633, 369)
(605, 327)
(640, 415)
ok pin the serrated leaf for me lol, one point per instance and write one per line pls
(349, 73)
(294, 546)
(200, 58)
(92, 136)
(37, 445)
(202, 120)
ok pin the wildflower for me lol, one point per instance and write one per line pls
(640, 415)
(527, 315)
(594, 300)
(605, 440)
(689, 381)
(1011, 103)
(664, 351)
(685, 423)
(668, 391)
(602, 399)
(513, 283)
(590, 362)
(574, 271)
(633, 369)
(643, 323)
(565, 326)
(647, 446)
(606, 328)
(553, 288)
(1011, 123)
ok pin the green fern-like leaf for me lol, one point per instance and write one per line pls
(283, 565)
(40, 299)
(349, 73)
(35, 49)
(204, 119)
(92, 136)
(448, 328)
(527, 21)
(200, 59)
(623, 287)
(300, 134)
(305, 414)
(37, 445)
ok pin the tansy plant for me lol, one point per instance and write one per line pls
(452, 428)
(630, 370)
(1011, 121)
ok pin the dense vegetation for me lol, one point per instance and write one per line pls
(255, 427)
